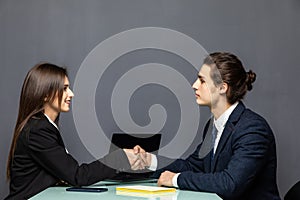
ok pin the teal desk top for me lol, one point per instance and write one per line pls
(61, 193)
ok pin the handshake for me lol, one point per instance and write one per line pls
(138, 158)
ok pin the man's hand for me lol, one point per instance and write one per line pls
(138, 149)
(165, 179)
(144, 156)
(134, 160)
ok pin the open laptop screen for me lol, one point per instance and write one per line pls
(149, 142)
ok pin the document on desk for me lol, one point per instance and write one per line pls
(145, 189)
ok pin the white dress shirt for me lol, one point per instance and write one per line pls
(52, 122)
(221, 122)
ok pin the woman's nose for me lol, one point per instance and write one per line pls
(71, 94)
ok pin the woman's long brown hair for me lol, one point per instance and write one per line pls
(42, 84)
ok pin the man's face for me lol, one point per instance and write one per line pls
(205, 90)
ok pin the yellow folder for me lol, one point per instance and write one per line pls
(145, 189)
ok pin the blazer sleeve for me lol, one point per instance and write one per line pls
(192, 163)
(195, 162)
(44, 144)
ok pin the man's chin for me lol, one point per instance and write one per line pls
(201, 103)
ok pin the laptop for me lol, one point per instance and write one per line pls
(149, 142)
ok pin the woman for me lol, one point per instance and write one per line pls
(37, 158)
(241, 163)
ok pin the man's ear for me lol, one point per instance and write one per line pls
(223, 88)
(46, 99)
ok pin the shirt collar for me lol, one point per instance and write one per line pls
(221, 121)
(52, 122)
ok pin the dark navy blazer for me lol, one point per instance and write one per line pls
(244, 165)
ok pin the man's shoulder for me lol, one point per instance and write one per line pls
(252, 122)
(253, 117)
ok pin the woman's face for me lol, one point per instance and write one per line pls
(205, 90)
(54, 108)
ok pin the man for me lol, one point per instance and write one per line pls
(241, 163)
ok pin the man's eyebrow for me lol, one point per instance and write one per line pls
(200, 77)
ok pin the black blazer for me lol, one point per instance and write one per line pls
(244, 165)
(40, 161)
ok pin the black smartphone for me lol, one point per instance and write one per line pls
(86, 189)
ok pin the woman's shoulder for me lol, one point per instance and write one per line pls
(39, 131)
(37, 121)
(39, 124)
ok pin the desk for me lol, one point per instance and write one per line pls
(61, 193)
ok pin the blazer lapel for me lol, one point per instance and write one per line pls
(229, 127)
(57, 132)
(206, 147)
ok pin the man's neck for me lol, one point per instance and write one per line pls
(218, 109)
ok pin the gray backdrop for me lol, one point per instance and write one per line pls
(264, 34)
